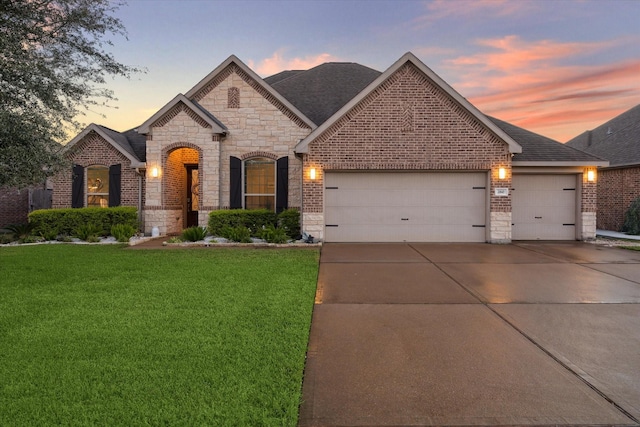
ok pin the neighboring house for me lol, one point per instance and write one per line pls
(364, 155)
(617, 141)
(15, 204)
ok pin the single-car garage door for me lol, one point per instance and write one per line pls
(411, 206)
(544, 207)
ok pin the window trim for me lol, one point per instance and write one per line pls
(89, 194)
(274, 163)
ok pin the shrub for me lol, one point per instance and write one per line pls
(31, 239)
(238, 234)
(6, 238)
(87, 231)
(253, 219)
(66, 221)
(272, 234)
(50, 234)
(122, 232)
(20, 231)
(194, 234)
(289, 220)
(632, 218)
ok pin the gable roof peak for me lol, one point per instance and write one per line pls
(514, 147)
(216, 126)
(116, 139)
(193, 93)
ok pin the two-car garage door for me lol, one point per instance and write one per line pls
(443, 207)
(411, 206)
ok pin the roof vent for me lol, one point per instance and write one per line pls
(609, 131)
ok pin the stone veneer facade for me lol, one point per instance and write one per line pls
(258, 126)
(408, 123)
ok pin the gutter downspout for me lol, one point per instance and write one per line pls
(140, 215)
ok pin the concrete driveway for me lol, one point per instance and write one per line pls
(474, 334)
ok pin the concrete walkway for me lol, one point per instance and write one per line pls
(474, 334)
(616, 235)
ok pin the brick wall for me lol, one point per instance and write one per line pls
(14, 206)
(617, 188)
(408, 123)
(94, 150)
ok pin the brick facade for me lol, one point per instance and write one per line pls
(617, 188)
(379, 133)
(410, 122)
(94, 150)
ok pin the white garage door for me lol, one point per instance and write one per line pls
(412, 207)
(544, 207)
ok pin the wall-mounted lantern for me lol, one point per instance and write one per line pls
(154, 172)
(502, 173)
(591, 175)
(312, 174)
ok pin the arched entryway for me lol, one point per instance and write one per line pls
(182, 184)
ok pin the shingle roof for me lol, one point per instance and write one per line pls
(138, 143)
(539, 148)
(321, 91)
(617, 140)
(132, 142)
(281, 76)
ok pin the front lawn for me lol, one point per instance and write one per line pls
(104, 335)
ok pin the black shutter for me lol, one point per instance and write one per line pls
(77, 187)
(114, 185)
(282, 184)
(235, 183)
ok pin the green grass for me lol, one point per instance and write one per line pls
(103, 335)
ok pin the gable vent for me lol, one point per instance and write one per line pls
(233, 97)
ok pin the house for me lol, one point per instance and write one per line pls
(365, 156)
(617, 141)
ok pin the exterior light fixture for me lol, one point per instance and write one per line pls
(502, 173)
(591, 176)
(154, 172)
(312, 173)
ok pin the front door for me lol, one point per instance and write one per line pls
(193, 192)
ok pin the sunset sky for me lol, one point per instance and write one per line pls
(554, 67)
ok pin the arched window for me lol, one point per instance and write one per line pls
(98, 186)
(259, 183)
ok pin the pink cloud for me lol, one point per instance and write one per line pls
(277, 63)
(525, 83)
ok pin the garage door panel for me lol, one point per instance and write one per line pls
(544, 207)
(544, 199)
(394, 233)
(362, 214)
(388, 207)
(453, 215)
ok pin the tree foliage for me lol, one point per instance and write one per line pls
(53, 63)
